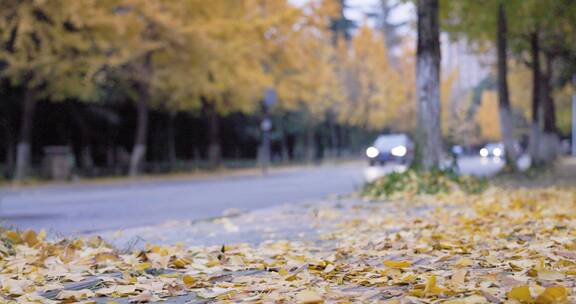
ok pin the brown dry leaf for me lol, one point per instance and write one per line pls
(474, 299)
(309, 297)
(213, 293)
(464, 262)
(550, 275)
(143, 297)
(14, 287)
(458, 278)
(75, 295)
(105, 257)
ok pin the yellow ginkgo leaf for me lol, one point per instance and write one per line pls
(431, 289)
(520, 294)
(13, 236)
(30, 238)
(553, 294)
(397, 264)
(188, 281)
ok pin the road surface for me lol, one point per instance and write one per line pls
(81, 209)
(72, 210)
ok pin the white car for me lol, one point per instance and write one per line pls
(391, 148)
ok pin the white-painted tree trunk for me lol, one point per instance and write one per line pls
(506, 125)
(141, 136)
(23, 151)
(549, 147)
(428, 85)
(139, 150)
(136, 159)
(535, 143)
(22, 160)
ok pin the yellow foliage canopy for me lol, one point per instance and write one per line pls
(487, 116)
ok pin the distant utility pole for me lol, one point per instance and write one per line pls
(266, 125)
(574, 115)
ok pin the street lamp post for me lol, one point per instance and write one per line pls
(266, 126)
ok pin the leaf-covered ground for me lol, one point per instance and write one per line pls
(515, 246)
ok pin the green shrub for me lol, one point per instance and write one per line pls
(414, 182)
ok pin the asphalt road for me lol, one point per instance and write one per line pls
(80, 209)
(72, 210)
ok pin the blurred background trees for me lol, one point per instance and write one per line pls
(534, 44)
(131, 86)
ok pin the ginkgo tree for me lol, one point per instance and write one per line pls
(536, 33)
(48, 49)
(147, 32)
(376, 91)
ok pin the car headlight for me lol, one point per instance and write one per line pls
(484, 152)
(398, 151)
(372, 152)
(497, 152)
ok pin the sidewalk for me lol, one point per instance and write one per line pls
(173, 176)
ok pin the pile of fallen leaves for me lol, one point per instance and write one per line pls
(498, 246)
(413, 182)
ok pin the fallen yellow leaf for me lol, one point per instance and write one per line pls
(520, 294)
(553, 294)
(188, 281)
(397, 264)
(431, 289)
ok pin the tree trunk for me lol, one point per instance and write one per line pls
(550, 141)
(549, 106)
(111, 149)
(535, 132)
(428, 84)
(506, 125)
(141, 136)
(86, 159)
(10, 159)
(335, 133)
(214, 150)
(23, 147)
(110, 155)
(309, 141)
(332, 138)
(284, 152)
(171, 134)
(9, 140)
(142, 86)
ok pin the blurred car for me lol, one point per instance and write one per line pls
(498, 150)
(492, 150)
(397, 148)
